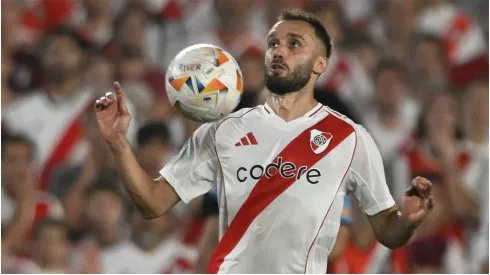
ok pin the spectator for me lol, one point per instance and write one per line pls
(22, 204)
(367, 51)
(7, 93)
(429, 66)
(100, 73)
(51, 247)
(50, 117)
(359, 252)
(131, 30)
(154, 147)
(49, 254)
(104, 214)
(252, 65)
(475, 115)
(439, 158)
(229, 28)
(396, 26)
(155, 247)
(97, 25)
(392, 117)
(69, 181)
(345, 75)
(144, 83)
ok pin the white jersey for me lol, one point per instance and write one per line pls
(281, 185)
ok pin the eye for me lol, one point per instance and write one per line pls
(272, 44)
(295, 44)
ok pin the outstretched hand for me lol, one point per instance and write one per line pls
(418, 201)
(112, 114)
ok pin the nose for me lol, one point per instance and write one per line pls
(279, 52)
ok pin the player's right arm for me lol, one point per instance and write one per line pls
(153, 197)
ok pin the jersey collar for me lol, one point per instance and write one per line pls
(268, 110)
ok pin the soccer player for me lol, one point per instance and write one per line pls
(282, 169)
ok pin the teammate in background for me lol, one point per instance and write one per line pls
(281, 194)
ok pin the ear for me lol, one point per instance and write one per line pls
(320, 66)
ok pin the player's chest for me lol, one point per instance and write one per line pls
(249, 152)
(250, 146)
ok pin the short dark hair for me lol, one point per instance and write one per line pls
(18, 138)
(320, 31)
(391, 64)
(153, 131)
(48, 222)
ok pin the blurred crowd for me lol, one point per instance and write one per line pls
(413, 72)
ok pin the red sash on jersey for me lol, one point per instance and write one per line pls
(266, 190)
(66, 144)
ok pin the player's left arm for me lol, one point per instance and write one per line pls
(393, 226)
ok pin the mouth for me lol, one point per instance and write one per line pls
(276, 67)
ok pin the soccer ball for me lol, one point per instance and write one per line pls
(204, 83)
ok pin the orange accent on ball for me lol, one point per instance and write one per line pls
(222, 58)
(179, 82)
(213, 86)
(239, 83)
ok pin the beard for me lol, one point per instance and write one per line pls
(295, 81)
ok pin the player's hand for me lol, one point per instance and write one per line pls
(418, 201)
(113, 115)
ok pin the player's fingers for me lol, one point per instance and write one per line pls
(430, 203)
(119, 91)
(120, 98)
(98, 105)
(420, 215)
(422, 185)
(110, 97)
(104, 102)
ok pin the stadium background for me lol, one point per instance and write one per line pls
(414, 73)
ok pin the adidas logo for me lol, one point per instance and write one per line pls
(249, 139)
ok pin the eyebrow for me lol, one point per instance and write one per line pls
(297, 36)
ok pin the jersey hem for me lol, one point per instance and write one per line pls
(380, 207)
(174, 183)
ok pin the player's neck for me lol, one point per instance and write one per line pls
(293, 105)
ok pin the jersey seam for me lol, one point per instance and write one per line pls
(340, 185)
(225, 215)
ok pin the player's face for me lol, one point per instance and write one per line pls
(292, 50)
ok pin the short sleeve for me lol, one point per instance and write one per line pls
(367, 176)
(193, 171)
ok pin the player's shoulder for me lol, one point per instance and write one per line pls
(359, 129)
(212, 126)
(244, 113)
(241, 113)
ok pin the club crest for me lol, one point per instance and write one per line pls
(319, 141)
